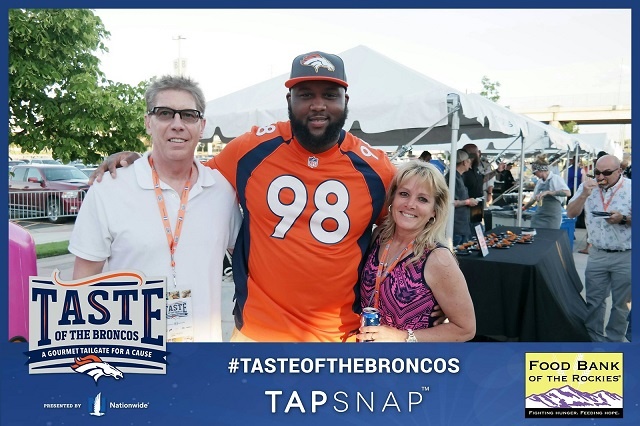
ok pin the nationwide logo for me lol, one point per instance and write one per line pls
(97, 406)
(103, 326)
(573, 385)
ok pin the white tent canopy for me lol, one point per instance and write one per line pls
(389, 104)
(537, 135)
(596, 142)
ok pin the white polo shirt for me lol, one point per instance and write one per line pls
(120, 222)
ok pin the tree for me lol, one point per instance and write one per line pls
(490, 89)
(570, 127)
(58, 97)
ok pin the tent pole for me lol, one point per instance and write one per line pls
(405, 148)
(576, 169)
(453, 106)
(565, 172)
(497, 157)
(521, 178)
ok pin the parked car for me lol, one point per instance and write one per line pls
(15, 163)
(44, 161)
(51, 191)
(88, 170)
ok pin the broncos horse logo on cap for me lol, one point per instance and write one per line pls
(317, 61)
(96, 368)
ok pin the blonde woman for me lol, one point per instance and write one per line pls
(410, 269)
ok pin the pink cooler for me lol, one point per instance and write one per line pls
(22, 265)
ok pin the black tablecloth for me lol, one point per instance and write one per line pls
(529, 292)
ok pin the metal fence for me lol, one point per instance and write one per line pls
(52, 205)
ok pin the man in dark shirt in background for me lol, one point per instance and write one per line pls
(474, 180)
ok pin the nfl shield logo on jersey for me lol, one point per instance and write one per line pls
(312, 162)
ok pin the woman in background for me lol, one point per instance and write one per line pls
(410, 269)
(550, 192)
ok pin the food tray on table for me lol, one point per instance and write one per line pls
(500, 246)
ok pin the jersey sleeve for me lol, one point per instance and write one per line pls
(226, 162)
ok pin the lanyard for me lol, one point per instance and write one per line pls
(172, 239)
(605, 205)
(384, 269)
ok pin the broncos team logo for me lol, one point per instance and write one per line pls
(317, 61)
(96, 368)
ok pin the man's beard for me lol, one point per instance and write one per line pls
(330, 135)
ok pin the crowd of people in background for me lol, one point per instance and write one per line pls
(599, 196)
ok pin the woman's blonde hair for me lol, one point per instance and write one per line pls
(434, 231)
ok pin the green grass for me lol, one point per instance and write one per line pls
(57, 248)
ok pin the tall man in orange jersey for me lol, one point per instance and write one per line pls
(310, 193)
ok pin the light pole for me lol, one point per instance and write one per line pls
(179, 65)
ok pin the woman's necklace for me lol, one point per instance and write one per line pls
(385, 268)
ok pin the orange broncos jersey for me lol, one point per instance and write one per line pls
(307, 223)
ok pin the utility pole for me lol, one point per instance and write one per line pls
(179, 65)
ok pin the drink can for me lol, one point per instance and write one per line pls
(370, 316)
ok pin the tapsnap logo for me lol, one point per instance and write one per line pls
(573, 385)
(102, 326)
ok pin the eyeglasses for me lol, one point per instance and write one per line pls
(166, 114)
(597, 172)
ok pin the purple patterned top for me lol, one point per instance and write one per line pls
(406, 300)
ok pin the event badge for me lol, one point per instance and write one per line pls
(482, 242)
(179, 316)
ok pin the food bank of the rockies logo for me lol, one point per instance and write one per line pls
(102, 326)
(573, 385)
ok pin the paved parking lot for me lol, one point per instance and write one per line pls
(44, 231)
